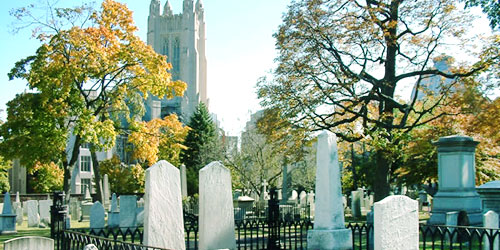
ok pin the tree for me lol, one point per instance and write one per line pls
(123, 179)
(158, 139)
(46, 177)
(490, 7)
(340, 63)
(202, 146)
(4, 174)
(92, 71)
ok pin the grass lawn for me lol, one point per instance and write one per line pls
(24, 230)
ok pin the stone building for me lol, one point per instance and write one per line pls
(181, 37)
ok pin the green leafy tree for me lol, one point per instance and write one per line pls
(123, 179)
(46, 178)
(341, 61)
(202, 146)
(4, 174)
(91, 71)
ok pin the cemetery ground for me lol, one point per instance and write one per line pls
(24, 230)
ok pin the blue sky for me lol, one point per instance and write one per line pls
(240, 49)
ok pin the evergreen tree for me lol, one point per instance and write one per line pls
(201, 146)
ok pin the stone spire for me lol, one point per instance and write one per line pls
(188, 6)
(154, 8)
(167, 9)
(199, 5)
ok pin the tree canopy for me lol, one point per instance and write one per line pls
(340, 63)
(92, 71)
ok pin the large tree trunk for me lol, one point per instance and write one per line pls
(68, 165)
(97, 173)
(381, 185)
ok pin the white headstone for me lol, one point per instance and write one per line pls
(294, 196)
(106, 191)
(490, 220)
(183, 181)
(356, 197)
(329, 230)
(44, 210)
(114, 213)
(90, 247)
(216, 208)
(163, 218)
(33, 216)
(97, 215)
(396, 223)
(303, 198)
(128, 207)
(17, 197)
(28, 243)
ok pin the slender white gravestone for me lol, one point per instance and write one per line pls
(490, 220)
(114, 213)
(29, 242)
(329, 229)
(128, 208)
(163, 219)
(44, 210)
(396, 223)
(33, 216)
(183, 181)
(97, 215)
(106, 191)
(216, 208)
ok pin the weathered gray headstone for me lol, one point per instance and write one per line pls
(25, 208)
(73, 208)
(33, 216)
(28, 243)
(356, 197)
(128, 207)
(490, 220)
(396, 223)
(85, 210)
(216, 208)
(44, 210)
(303, 198)
(329, 229)
(114, 213)
(97, 215)
(310, 201)
(19, 213)
(183, 181)
(163, 218)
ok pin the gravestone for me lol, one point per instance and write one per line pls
(106, 191)
(329, 229)
(456, 177)
(33, 216)
(396, 223)
(490, 220)
(303, 198)
(97, 215)
(163, 218)
(18, 209)
(114, 213)
(73, 208)
(44, 211)
(28, 243)
(90, 247)
(490, 196)
(183, 181)
(310, 201)
(86, 204)
(216, 217)
(356, 197)
(8, 217)
(25, 208)
(294, 196)
(128, 208)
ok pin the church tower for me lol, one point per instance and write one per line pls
(181, 37)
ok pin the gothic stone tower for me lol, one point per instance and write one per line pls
(181, 37)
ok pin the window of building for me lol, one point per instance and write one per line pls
(166, 50)
(85, 183)
(177, 56)
(85, 145)
(85, 163)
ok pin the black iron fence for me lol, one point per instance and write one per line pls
(271, 232)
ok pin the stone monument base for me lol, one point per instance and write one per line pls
(337, 239)
(439, 218)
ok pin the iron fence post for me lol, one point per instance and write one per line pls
(273, 242)
(57, 218)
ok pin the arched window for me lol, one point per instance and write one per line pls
(166, 50)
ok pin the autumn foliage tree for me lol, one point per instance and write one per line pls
(91, 71)
(340, 63)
